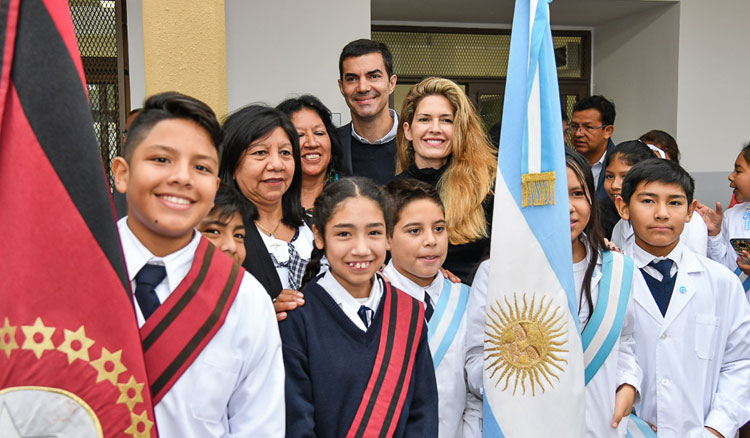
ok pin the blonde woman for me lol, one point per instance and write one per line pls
(441, 141)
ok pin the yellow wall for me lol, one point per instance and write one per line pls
(184, 44)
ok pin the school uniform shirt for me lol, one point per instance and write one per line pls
(694, 235)
(475, 314)
(696, 358)
(451, 383)
(329, 358)
(620, 367)
(350, 305)
(734, 225)
(290, 270)
(235, 387)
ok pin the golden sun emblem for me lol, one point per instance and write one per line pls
(523, 343)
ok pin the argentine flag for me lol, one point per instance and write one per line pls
(533, 360)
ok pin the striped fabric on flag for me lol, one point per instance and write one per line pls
(69, 342)
(533, 360)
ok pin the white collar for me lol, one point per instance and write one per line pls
(642, 258)
(346, 301)
(137, 256)
(405, 284)
(388, 137)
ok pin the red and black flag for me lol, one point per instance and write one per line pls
(69, 343)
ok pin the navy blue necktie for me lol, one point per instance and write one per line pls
(661, 290)
(145, 288)
(428, 307)
(362, 312)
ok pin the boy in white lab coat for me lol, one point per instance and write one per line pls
(692, 331)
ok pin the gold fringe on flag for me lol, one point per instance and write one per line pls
(538, 189)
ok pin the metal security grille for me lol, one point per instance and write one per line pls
(469, 55)
(96, 28)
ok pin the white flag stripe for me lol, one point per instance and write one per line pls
(516, 270)
(535, 127)
(609, 316)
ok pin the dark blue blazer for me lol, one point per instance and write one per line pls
(600, 192)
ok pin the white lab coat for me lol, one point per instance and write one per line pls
(450, 378)
(732, 227)
(696, 358)
(694, 235)
(620, 367)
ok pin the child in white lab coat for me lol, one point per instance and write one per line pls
(692, 332)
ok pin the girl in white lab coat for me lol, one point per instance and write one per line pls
(612, 383)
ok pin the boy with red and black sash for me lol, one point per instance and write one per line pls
(356, 354)
(209, 333)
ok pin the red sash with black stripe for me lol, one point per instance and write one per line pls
(183, 325)
(381, 405)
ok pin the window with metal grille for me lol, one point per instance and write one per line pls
(477, 59)
(100, 31)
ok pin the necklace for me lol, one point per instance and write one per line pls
(270, 233)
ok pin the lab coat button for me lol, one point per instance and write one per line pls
(665, 382)
(663, 336)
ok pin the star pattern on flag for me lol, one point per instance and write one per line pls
(126, 389)
(109, 366)
(140, 426)
(76, 345)
(38, 337)
(8, 338)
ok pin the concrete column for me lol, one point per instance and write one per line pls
(184, 48)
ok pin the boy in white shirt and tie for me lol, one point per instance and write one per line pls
(692, 331)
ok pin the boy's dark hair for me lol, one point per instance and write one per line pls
(630, 152)
(242, 128)
(363, 47)
(663, 141)
(746, 152)
(600, 103)
(404, 191)
(229, 201)
(329, 200)
(593, 230)
(656, 169)
(295, 104)
(168, 106)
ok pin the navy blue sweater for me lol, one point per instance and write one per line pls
(328, 362)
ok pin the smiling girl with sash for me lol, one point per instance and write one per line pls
(419, 245)
(356, 355)
(603, 280)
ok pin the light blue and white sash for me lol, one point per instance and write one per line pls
(444, 324)
(743, 278)
(604, 326)
(638, 428)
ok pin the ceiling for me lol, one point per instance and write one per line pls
(500, 12)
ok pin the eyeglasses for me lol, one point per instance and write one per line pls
(586, 129)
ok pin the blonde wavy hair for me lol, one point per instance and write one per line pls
(472, 166)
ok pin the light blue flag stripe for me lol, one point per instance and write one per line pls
(548, 222)
(440, 307)
(614, 334)
(453, 327)
(490, 427)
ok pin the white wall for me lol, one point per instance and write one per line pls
(266, 62)
(714, 97)
(135, 53)
(636, 66)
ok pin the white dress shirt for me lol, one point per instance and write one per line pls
(694, 235)
(596, 169)
(388, 137)
(303, 244)
(350, 305)
(696, 358)
(452, 391)
(235, 387)
(732, 227)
